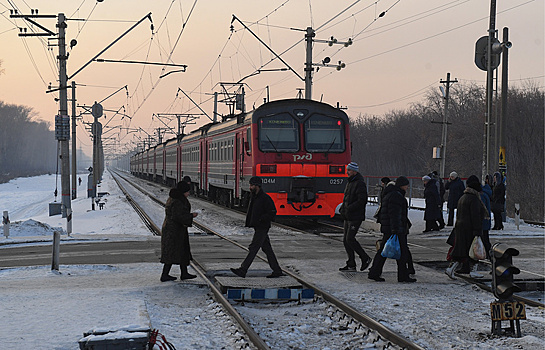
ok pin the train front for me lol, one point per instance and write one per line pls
(302, 148)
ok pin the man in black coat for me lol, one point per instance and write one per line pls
(261, 211)
(353, 212)
(394, 219)
(455, 187)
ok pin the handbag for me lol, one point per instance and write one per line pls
(477, 251)
(392, 249)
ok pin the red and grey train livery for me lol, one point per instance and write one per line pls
(299, 148)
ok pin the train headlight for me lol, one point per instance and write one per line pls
(268, 168)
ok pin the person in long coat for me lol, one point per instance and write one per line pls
(498, 201)
(455, 187)
(469, 223)
(394, 219)
(432, 213)
(175, 247)
(353, 213)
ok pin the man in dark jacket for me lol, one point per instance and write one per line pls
(455, 187)
(394, 219)
(353, 212)
(261, 211)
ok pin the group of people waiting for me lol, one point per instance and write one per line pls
(473, 203)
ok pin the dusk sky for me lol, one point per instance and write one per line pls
(394, 59)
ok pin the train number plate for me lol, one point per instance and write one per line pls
(515, 310)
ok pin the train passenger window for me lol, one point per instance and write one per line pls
(278, 133)
(324, 134)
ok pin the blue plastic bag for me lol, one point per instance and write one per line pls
(392, 248)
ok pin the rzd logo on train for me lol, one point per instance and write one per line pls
(297, 157)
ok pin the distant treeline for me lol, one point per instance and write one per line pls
(27, 146)
(401, 142)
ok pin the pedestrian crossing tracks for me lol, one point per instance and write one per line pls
(263, 289)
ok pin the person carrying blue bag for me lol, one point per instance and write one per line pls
(394, 220)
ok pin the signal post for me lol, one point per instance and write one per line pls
(505, 308)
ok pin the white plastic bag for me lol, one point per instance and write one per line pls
(477, 251)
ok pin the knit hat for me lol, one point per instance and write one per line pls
(385, 180)
(426, 178)
(454, 174)
(183, 187)
(402, 181)
(256, 181)
(474, 183)
(186, 179)
(353, 166)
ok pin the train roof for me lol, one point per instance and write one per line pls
(297, 104)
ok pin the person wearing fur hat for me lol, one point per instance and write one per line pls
(175, 247)
(353, 213)
(469, 223)
(261, 211)
(455, 187)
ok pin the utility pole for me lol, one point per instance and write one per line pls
(74, 164)
(62, 121)
(445, 124)
(309, 38)
(310, 34)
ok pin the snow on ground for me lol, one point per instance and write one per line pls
(40, 309)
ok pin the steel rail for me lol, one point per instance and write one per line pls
(143, 215)
(369, 322)
(250, 332)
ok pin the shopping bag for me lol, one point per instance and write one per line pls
(392, 248)
(477, 251)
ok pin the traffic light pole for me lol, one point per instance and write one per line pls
(489, 89)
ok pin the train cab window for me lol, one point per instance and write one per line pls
(324, 134)
(278, 133)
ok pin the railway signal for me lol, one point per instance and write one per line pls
(505, 308)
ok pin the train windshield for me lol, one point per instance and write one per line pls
(324, 134)
(278, 133)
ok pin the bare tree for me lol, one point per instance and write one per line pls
(401, 142)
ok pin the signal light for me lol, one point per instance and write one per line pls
(336, 169)
(503, 271)
(268, 168)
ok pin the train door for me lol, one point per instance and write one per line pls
(203, 165)
(239, 147)
(178, 162)
(164, 181)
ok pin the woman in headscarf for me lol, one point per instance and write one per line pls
(175, 247)
(469, 223)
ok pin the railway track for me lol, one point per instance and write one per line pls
(363, 324)
(480, 282)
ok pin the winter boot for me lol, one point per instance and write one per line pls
(474, 273)
(450, 270)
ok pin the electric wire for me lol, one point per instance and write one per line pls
(86, 20)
